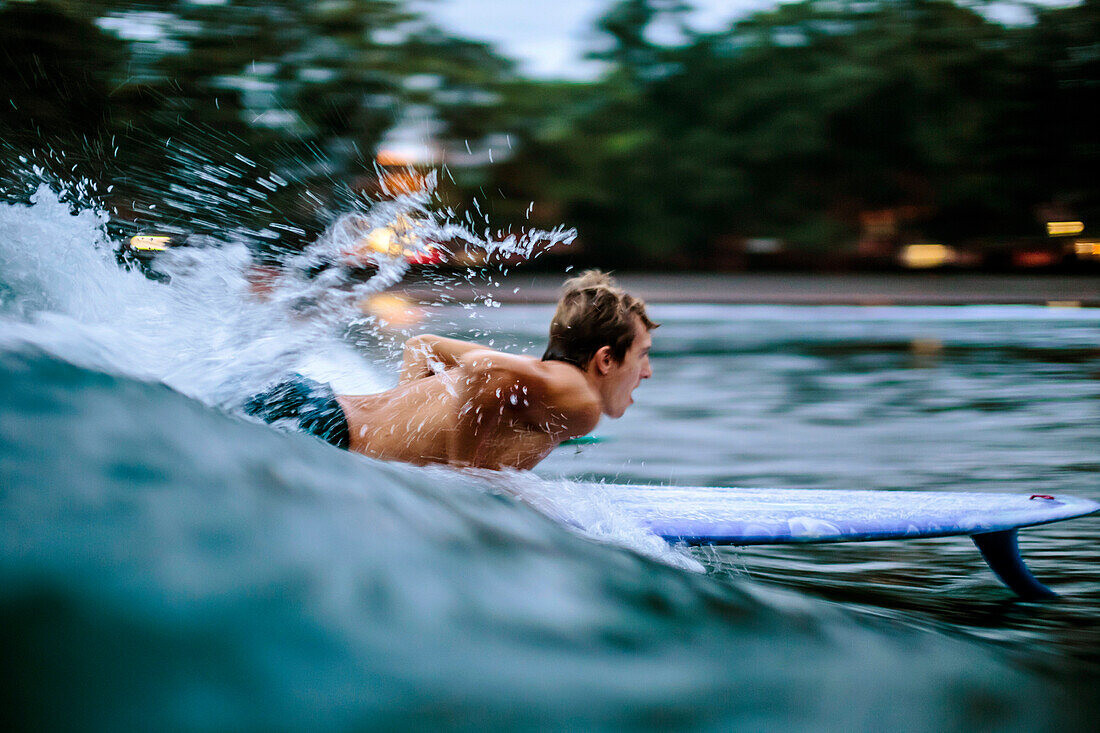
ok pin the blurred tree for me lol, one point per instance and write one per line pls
(276, 72)
(629, 26)
(1059, 102)
(590, 154)
(790, 124)
(219, 93)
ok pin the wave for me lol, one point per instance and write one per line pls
(204, 334)
(165, 564)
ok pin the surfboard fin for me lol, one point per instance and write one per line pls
(1002, 554)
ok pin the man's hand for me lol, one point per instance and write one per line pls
(428, 354)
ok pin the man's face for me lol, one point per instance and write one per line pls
(629, 373)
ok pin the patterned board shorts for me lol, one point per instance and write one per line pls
(309, 405)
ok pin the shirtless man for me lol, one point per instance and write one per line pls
(462, 404)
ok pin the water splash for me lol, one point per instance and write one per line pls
(586, 509)
(248, 298)
(207, 331)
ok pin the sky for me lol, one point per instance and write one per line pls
(550, 39)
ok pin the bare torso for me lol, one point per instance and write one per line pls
(421, 422)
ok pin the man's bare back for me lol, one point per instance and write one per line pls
(487, 409)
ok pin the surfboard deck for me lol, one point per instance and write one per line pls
(734, 516)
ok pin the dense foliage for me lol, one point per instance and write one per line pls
(799, 124)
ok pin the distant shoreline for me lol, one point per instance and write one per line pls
(805, 289)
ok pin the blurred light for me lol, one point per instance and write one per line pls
(926, 255)
(763, 245)
(381, 240)
(1034, 258)
(399, 182)
(1087, 248)
(392, 310)
(879, 223)
(391, 157)
(402, 182)
(426, 255)
(406, 147)
(149, 243)
(926, 352)
(392, 243)
(1063, 304)
(1062, 228)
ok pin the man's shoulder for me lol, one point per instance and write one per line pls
(568, 390)
(556, 385)
(555, 376)
(522, 365)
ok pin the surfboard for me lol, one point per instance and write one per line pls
(732, 516)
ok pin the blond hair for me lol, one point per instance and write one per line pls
(593, 312)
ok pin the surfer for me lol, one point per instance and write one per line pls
(462, 404)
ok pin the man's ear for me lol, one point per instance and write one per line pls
(603, 360)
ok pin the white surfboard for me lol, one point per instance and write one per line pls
(731, 516)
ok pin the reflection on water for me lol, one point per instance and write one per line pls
(993, 399)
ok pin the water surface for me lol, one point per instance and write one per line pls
(166, 564)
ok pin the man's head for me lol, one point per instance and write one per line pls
(604, 331)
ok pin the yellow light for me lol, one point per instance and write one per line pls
(381, 240)
(149, 243)
(926, 255)
(1062, 228)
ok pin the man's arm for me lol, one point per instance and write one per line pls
(499, 388)
(428, 354)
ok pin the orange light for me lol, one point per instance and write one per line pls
(402, 182)
(1087, 249)
(389, 157)
(391, 310)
